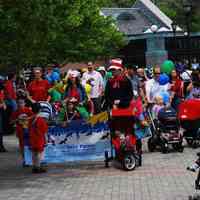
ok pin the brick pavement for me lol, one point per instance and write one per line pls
(162, 177)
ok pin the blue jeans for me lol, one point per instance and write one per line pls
(12, 103)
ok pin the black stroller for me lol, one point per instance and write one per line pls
(165, 131)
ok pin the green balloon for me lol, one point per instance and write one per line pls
(55, 95)
(167, 67)
(108, 75)
(83, 112)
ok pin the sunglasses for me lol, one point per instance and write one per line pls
(157, 73)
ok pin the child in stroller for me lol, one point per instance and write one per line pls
(165, 128)
(125, 148)
(128, 149)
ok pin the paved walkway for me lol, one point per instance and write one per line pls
(162, 177)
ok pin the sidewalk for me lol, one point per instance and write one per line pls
(162, 177)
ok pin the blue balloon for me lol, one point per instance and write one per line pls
(180, 67)
(56, 70)
(55, 76)
(163, 79)
(49, 79)
(165, 96)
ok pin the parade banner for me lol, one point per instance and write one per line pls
(79, 140)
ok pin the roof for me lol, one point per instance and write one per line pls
(139, 18)
(155, 11)
(129, 20)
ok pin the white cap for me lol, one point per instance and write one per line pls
(101, 68)
(74, 73)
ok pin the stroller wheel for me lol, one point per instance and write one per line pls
(129, 162)
(151, 144)
(164, 147)
(178, 147)
(190, 142)
(181, 149)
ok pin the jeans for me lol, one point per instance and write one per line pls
(12, 103)
(97, 105)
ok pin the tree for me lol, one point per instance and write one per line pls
(175, 10)
(46, 31)
(122, 3)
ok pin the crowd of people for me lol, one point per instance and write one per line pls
(82, 93)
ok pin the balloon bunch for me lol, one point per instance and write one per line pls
(166, 68)
(54, 76)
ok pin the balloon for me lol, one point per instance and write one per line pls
(88, 89)
(167, 67)
(55, 76)
(48, 78)
(165, 96)
(59, 87)
(83, 112)
(55, 95)
(108, 75)
(180, 68)
(56, 70)
(163, 79)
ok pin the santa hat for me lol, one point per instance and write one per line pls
(116, 64)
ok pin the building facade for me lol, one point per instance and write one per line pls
(147, 46)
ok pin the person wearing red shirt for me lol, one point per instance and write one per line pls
(10, 90)
(38, 129)
(20, 126)
(176, 89)
(38, 88)
(10, 100)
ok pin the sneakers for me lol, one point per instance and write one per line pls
(24, 165)
(38, 170)
(193, 168)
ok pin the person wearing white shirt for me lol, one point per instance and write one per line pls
(153, 88)
(95, 79)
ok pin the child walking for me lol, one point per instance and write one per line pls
(38, 129)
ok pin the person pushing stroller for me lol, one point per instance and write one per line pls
(118, 96)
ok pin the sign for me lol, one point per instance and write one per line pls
(78, 141)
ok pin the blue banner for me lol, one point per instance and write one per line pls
(78, 141)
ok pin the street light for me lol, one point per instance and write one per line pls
(154, 28)
(174, 28)
(187, 6)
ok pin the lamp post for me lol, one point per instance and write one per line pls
(154, 28)
(174, 28)
(188, 11)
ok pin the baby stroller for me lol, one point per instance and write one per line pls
(121, 124)
(189, 116)
(165, 131)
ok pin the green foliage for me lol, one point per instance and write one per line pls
(175, 10)
(122, 3)
(46, 31)
(172, 8)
